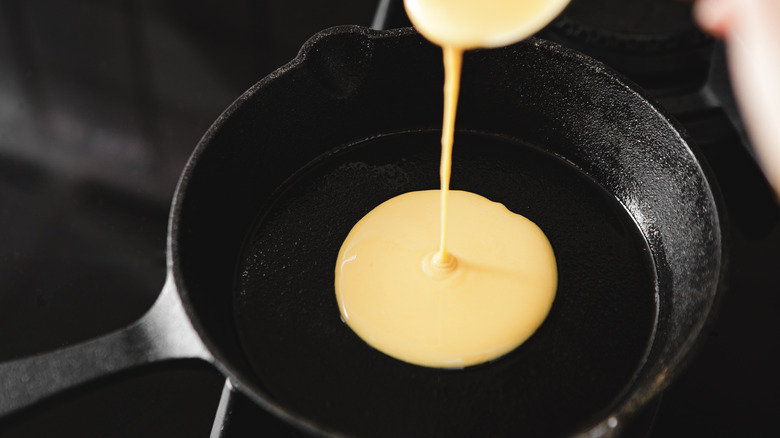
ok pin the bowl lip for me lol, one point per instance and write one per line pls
(614, 416)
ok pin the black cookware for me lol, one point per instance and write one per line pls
(280, 178)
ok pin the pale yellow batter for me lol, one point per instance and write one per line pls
(394, 298)
(492, 280)
(471, 24)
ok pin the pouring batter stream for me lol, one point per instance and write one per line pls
(492, 281)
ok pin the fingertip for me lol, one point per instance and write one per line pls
(713, 16)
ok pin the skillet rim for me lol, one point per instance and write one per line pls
(624, 407)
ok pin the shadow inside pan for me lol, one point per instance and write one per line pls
(580, 360)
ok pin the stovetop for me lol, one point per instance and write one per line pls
(101, 104)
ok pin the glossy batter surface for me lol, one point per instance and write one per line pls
(397, 300)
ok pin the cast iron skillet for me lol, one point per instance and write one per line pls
(277, 182)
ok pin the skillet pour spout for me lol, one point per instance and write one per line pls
(277, 182)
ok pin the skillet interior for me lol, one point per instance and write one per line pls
(578, 362)
(353, 84)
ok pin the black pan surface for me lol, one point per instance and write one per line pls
(572, 369)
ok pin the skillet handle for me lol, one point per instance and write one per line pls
(163, 333)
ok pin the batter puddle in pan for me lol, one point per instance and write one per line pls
(578, 362)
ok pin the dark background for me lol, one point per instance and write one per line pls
(101, 103)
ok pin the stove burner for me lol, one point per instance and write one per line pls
(655, 42)
(635, 25)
